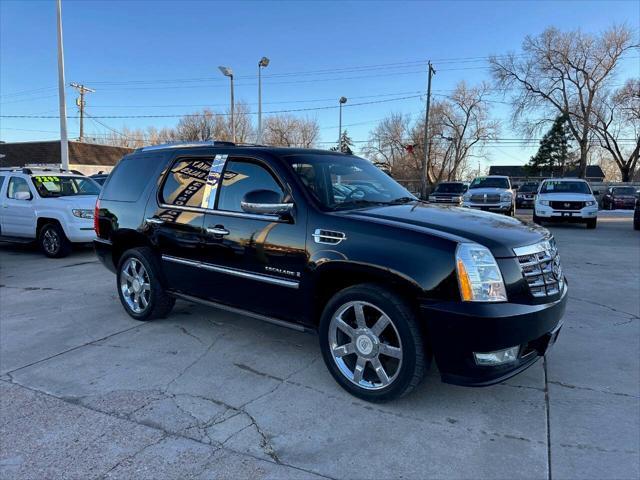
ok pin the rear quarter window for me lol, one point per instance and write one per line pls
(130, 177)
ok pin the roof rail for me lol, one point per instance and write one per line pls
(207, 143)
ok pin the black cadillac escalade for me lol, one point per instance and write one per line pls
(323, 241)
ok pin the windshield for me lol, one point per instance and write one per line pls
(489, 182)
(624, 191)
(565, 187)
(343, 182)
(528, 188)
(54, 186)
(450, 188)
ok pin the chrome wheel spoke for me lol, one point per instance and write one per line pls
(127, 276)
(144, 301)
(343, 350)
(146, 287)
(380, 371)
(358, 308)
(359, 369)
(345, 327)
(390, 351)
(380, 325)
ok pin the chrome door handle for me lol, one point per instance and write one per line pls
(218, 231)
(155, 221)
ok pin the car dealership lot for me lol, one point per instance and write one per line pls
(87, 392)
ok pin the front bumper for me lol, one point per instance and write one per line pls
(458, 329)
(80, 232)
(548, 213)
(490, 207)
(525, 202)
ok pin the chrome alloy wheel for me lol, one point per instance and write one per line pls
(51, 241)
(365, 345)
(135, 285)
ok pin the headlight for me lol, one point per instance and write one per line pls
(520, 195)
(589, 203)
(466, 197)
(82, 213)
(456, 199)
(544, 202)
(479, 276)
(506, 197)
(432, 197)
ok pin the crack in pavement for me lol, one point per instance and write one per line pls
(576, 387)
(632, 315)
(133, 455)
(169, 434)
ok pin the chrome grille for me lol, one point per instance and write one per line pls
(485, 198)
(540, 265)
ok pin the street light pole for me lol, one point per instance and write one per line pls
(264, 61)
(427, 143)
(341, 101)
(227, 72)
(64, 142)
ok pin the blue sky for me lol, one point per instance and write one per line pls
(145, 57)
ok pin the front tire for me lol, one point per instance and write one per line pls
(139, 285)
(53, 241)
(371, 343)
(536, 219)
(591, 223)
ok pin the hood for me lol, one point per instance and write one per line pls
(75, 201)
(482, 191)
(566, 197)
(497, 232)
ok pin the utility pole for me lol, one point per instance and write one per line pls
(263, 63)
(427, 144)
(64, 143)
(341, 101)
(81, 104)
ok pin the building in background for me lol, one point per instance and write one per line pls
(518, 173)
(87, 158)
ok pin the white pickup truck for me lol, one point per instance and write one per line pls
(53, 207)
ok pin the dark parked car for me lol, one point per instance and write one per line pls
(636, 215)
(386, 280)
(100, 178)
(619, 197)
(526, 195)
(448, 193)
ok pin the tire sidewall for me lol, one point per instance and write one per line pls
(410, 345)
(141, 254)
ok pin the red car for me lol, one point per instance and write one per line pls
(619, 197)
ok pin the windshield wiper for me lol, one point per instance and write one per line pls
(397, 201)
(357, 204)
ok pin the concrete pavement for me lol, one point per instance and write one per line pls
(85, 391)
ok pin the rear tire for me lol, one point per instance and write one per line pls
(53, 242)
(371, 343)
(591, 223)
(140, 285)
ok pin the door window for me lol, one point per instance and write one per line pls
(186, 182)
(18, 185)
(241, 177)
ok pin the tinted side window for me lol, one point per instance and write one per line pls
(16, 185)
(241, 177)
(186, 181)
(129, 178)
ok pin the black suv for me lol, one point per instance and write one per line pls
(317, 240)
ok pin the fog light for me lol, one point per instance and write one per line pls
(498, 357)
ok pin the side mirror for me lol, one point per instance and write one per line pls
(22, 196)
(265, 202)
(596, 192)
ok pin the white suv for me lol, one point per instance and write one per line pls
(492, 193)
(566, 200)
(54, 207)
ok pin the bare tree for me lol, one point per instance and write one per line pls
(290, 131)
(617, 124)
(561, 73)
(457, 125)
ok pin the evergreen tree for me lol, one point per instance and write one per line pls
(553, 156)
(345, 144)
